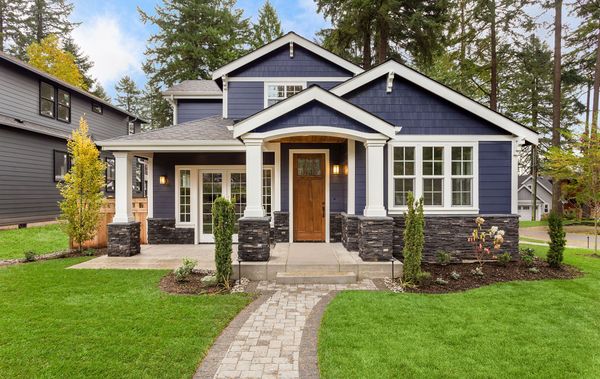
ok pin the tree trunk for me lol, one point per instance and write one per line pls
(587, 109)
(382, 39)
(2, 16)
(534, 178)
(463, 46)
(556, 101)
(594, 129)
(39, 27)
(366, 50)
(494, 62)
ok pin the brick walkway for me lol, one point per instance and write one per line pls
(268, 343)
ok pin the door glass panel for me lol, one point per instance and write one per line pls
(309, 166)
(212, 187)
(238, 196)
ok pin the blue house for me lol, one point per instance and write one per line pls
(311, 147)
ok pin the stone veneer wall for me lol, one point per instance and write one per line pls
(450, 233)
(123, 239)
(349, 231)
(254, 238)
(163, 231)
(281, 227)
(335, 226)
(375, 238)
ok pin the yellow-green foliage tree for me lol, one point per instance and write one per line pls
(49, 57)
(82, 187)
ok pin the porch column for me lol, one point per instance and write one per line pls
(254, 172)
(374, 202)
(123, 188)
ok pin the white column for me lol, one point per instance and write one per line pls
(254, 167)
(374, 205)
(123, 190)
(351, 176)
(150, 185)
(276, 189)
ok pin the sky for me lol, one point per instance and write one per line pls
(113, 36)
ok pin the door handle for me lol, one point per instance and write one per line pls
(323, 208)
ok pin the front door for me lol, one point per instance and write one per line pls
(309, 197)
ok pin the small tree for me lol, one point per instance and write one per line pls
(223, 224)
(82, 187)
(414, 240)
(48, 56)
(557, 240)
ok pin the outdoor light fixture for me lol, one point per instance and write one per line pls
(163, 179)
(346, 169)
(336, 169)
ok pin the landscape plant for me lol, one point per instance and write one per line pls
(527, 256)
(557, 240)
(82, 187)
(484, 241)
(443, 257)
(223, 225)
(183, 272)
(414, 241)
(503, 259)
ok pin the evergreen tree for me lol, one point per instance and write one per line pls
(155, 109)
(128, 95)
(82, 61)
(11, 12)
(99, 91)
(268, 27)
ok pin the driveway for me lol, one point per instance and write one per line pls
(577, 240)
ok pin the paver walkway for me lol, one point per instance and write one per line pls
(268, 344)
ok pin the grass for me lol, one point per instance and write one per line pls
(546, 329)
(529, 223)
(527, 239)
(59, 323)
(39, 239)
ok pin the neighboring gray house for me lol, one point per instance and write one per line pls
(37, 114)
(544, 197)
(311, 147)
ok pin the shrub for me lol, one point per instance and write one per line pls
(413, 240)
(484, 241)
(527, 256)
(30, 256)
(423, 277)
(89, 252)
(185, 270)
(455, 275)
(441, 281)
(503, 259)
(477, 271)
(223, 225)
(443, 257)
(534, 270)
(557, 240)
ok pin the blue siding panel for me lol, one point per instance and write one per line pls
(278, 63)
(324, 85)
(245, 99)
(360, 178)
(418, 111)
(190, 110)
(495, 177)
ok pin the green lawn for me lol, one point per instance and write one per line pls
(529, 223)
(59, 323)
(545, 329)
(527, 239)
(39, 239)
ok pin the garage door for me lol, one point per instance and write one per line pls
(525, 212)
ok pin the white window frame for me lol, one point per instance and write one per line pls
(271, 169)
(471, 176)
(193, 197)
(280, 83)
(447, 207)
(412, 177)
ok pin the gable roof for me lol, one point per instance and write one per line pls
(282, 41)
(17, 62)
(438, 89)
(314, 93)
(543, 181)
(195, 88)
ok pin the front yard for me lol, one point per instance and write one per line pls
(519, 329)
(57, 322)
(14, 243)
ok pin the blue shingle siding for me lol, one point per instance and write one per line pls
(278, 63)
(360, 178)
(338, 189)
(244, 99)
(190, 110)
(417, 110)
(495, 177)
(324, 85)
(314, 114)
(164, 164)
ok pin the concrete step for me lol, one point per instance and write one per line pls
(316, 277)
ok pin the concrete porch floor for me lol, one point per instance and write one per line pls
(285, 257)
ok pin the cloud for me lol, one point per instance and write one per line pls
(114, 52)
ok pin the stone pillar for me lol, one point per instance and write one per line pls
(335, 227)
(375, 205)
(350, 231)
(253, 238)
(375, 238)
(123, 188)
(123, 239)
(281, 226)
(254, 172)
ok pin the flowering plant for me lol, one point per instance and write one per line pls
(484, 241)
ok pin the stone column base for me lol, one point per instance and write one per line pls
(350, 231)
(281, 227)
(375, 238)
(253, 239)
(335, 227)
(123, 239)
(163, 231)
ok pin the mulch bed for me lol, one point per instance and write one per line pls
(192, 286)
(494, 273)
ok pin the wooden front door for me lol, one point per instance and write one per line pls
(309, 197)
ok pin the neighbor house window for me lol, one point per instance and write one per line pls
(185, 199)
(97, 108)
(278, 92)
(64, 106)
(62, 164)
(403, 174)
(47, 99)
(141, 177)
(267, 186)
(110, 175)
(462, 175)
(433, 175)
(130, 128)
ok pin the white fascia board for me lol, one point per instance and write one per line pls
(172, 145)
(322, 96)
(283, 41)
(289, 78)
(317, 131)
(191, 95)
(436, 88)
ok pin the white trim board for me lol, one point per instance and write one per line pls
(440, 90)
(317, 131)
(283, 41)
(289, 78)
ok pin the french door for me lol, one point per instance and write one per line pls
(230, 184)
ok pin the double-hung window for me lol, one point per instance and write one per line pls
(433, 175)
(276, 92)
(403, 174)
(62, 165)
(462, 176)
(64, 106)
(185, 196)
(47, 99)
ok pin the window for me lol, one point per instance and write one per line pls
(141, 177)
(403, 174)
(110, 175)
(64, 106)
(462, 176)
(433, 175)
(97, 108)
(47, 99)
(266, 190)
(238, 196)
(275, 93)
(130, 128)
(62, 165)
(185, 198)
(546, 208)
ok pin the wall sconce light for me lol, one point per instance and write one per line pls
(163, 179)
(336, 169)
(346, 169)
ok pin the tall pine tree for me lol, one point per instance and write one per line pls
(267, 28)
(128, 95)
(11, 12)
(82, 61)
